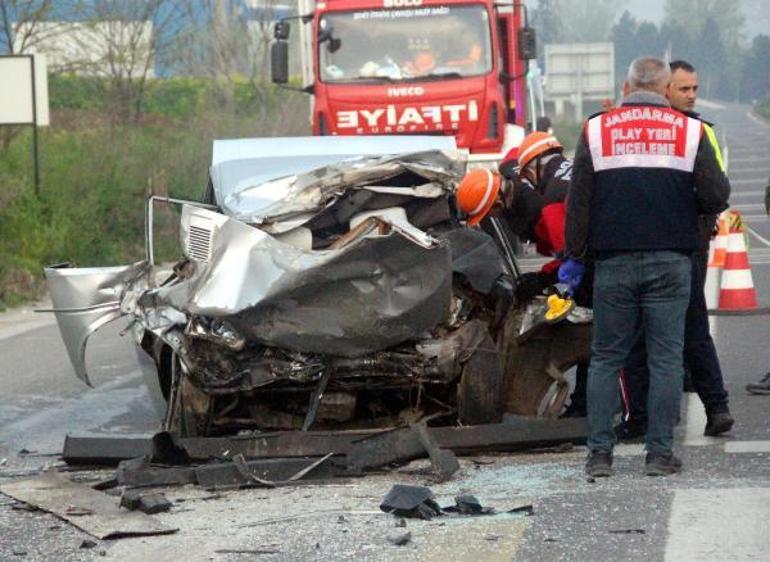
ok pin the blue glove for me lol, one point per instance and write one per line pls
(571, 274)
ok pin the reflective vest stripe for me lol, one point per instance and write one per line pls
(712, 137)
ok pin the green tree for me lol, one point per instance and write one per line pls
(675, 41)
(714, 32)
(691, 15)
(710, 58)
(623, 36)
(648, 40)
(755, 71)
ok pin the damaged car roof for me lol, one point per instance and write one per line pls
(249, 176)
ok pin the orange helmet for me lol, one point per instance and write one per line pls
(535, 144)
(477, 193)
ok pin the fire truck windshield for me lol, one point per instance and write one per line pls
(439, 42)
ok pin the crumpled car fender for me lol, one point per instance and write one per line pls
(84, 300)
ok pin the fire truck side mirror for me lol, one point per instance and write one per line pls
(279, 62)
(527, 43)
(281, 30)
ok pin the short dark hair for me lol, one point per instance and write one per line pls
(675, 65)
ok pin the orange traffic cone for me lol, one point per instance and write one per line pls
(737, 291)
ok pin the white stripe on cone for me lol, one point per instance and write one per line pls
(737, 279)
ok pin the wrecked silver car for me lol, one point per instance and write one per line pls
(327, 283)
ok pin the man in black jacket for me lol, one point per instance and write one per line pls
(642, 174)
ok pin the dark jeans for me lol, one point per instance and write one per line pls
(700, 355)
(633, 291)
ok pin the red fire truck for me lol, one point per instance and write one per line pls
(435, 67)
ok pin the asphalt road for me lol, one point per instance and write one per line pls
(718, 508)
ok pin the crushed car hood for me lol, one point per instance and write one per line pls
(336, 260)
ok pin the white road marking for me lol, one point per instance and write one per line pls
(756, 119)
(719, 524)
(628, 450)
(758, 236)
(741, 206)
(749, 193)
(757, 181)
(734, 160)
(747, 447)
(764, 169)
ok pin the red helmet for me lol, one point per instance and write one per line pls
(477, 193)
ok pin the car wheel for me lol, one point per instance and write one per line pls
(480, 391)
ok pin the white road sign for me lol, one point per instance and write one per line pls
(16, 105)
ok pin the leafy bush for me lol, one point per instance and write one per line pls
(96, 173)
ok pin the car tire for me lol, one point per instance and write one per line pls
(480, 391)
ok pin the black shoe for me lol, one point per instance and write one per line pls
(761, 387)
(631, 432)
(718, 422)
(662, 464)
(599, 464)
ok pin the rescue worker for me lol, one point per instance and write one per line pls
(700, 354)
(642, 173)
(530, 198)
(532, 202)
(542, 162)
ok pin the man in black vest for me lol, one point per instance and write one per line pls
(642, 174)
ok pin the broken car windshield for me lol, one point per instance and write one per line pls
(436, 42)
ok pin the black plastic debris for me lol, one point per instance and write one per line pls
(627, 531)
(140, 472)
(87, 543)
(104, 449)
(527, 509)
(410, 501)
(467, 504)
(400, 539)
(148, 503)
(105, 484)
(166, 451)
